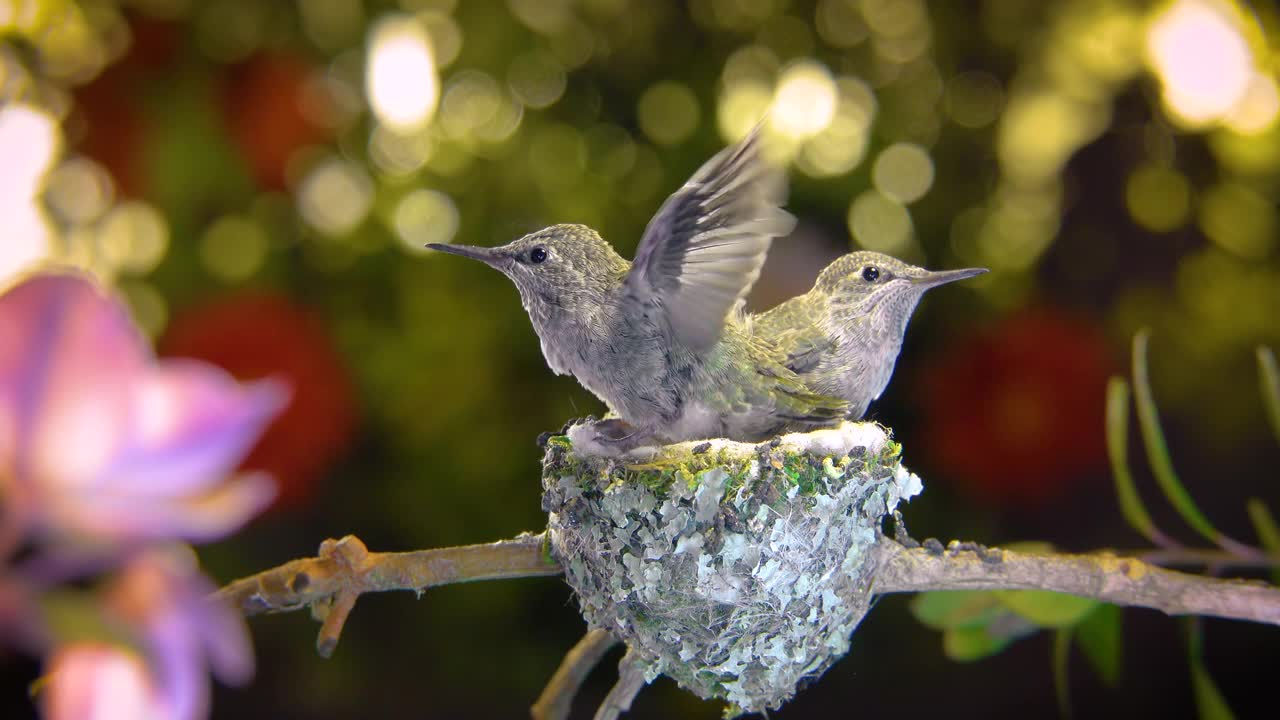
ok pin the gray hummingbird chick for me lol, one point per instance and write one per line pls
(662, 341)
(843, 336)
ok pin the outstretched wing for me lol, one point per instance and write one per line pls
(703, 250)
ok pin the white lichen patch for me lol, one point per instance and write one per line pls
(737, 569)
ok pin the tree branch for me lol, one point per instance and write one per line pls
(345, 569)
(630, 682)
(554, 702)
(1102, 576)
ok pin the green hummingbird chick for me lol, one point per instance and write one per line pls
(843, 336)
(662, 340)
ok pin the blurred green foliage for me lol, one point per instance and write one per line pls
(198, 151)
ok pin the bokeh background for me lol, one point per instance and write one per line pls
(258, 180)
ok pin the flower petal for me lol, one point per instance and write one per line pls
(99, 682)
(190, 425)
(164, 595)
(197, 517)
(69, 352)
(96, 437)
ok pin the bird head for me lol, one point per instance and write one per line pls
(870, 284)
(552, 268)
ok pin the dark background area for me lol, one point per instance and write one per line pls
(290, 219)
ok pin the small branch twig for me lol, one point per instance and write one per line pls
(630, 682)
(556, 698)
(1102, 576)
(345, 569)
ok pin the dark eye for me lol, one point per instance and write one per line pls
(537, 255)
(870, 273)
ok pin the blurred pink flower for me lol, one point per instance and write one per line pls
(93, 681)
(162, 603)
(99, 440)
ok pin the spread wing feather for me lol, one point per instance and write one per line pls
(703, 250)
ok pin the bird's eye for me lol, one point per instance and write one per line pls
(870, 273)
(537, 255)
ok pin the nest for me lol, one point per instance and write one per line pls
(738, 570)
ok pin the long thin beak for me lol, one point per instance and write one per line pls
(485, 255)
(942, 277)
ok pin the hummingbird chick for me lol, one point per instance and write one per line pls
(843, 336)
(662, 340)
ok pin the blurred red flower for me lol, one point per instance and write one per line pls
(1015, 414)
(263, 107)
(258, 334)
(111, 105)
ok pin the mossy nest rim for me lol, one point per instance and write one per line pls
(737, 569)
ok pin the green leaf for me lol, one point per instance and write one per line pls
(1158, 449)
(1045, 608)
(1270, 377)
(1210, 704)
(1061, 668)
(967, 644)
(1099, 638)
(1268, 533)
(948, 609)
(1135, 513)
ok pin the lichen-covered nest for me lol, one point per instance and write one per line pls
(736, 569)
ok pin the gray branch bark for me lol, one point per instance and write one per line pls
(1103, 576)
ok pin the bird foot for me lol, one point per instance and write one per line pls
(617, 434)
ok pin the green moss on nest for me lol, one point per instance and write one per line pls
(736, 569)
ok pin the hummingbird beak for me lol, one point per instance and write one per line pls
(942, 277)
(488, 256)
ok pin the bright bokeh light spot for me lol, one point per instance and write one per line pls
(894, 18)
(840, 23)
(537, 78)
(843, 143)
(425, 216)
(750, 64)
(234, 248)
(1239, 219)
(880, 223)
(472, 100)
(16, 15)
(805, 101)
(1257, 110)
(446, 36)
(400, 77)
(29, 142)
(335, 196)
(1159, 198)
(133, 237)
(1040, 131)
(904, 172)
(740, 108)
(836, 150)
(1202, 58)
(79, 191)
(26, 240)
(1018, 229)
(397, 154)
(668, 113)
